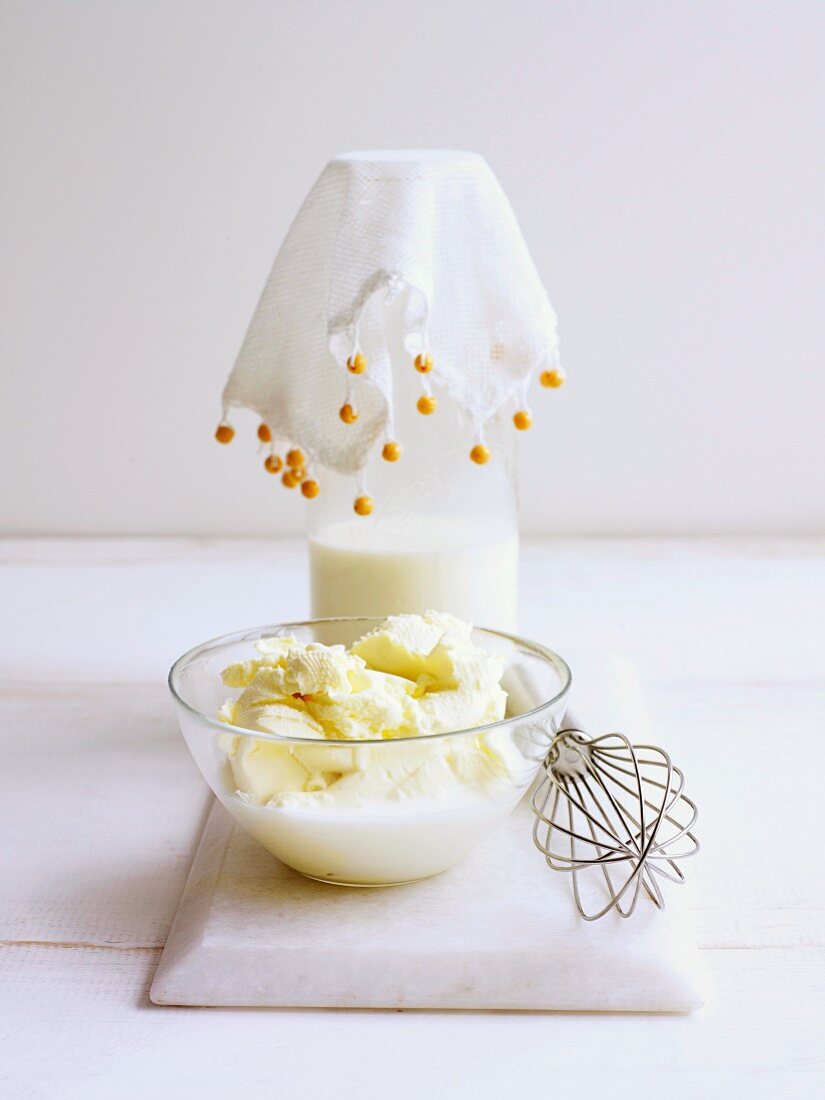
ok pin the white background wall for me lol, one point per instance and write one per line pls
(665, 160)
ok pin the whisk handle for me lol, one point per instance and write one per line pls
(570, 722)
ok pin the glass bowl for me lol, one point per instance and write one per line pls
(409, 830)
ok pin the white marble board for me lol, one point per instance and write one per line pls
(499, 931)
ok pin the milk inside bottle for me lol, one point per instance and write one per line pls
(443, 532)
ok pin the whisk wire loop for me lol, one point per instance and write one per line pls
(615, 804)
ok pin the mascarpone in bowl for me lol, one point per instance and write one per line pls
(369, 752)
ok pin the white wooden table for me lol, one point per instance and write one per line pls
(100, 808)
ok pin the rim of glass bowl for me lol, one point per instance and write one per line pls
(254, 634)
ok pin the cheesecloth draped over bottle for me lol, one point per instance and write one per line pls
(435, 225)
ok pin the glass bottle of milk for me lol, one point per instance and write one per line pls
(443, 532)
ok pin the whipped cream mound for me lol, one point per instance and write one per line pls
(413, 676)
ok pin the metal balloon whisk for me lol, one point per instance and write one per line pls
(615, 812)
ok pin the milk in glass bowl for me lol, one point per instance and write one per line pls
(371, 811)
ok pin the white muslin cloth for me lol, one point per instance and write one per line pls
(433, 224)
